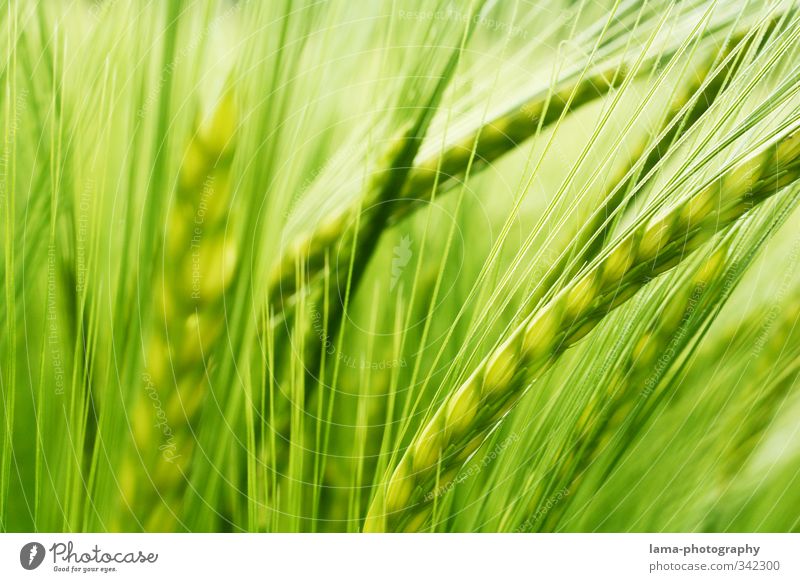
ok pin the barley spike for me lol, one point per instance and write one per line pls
(499, 382)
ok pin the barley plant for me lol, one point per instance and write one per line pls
(400, 266)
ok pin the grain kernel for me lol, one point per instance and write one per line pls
(539, 336)
(579, 298)
(653, 241)
(500, 369)
(399, 492)
(617, 263)
(428, 448)
(461, 410)
(698, 208)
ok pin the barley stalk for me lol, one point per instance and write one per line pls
(685, 109)
(469, 414)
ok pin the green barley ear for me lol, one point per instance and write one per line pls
(484, 145)
(656, 246)
(616, 403)
(504, 133)
(632, 386)
(199, 264)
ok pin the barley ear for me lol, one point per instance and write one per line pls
(657, 246)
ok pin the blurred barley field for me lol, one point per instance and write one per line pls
(393, 265)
